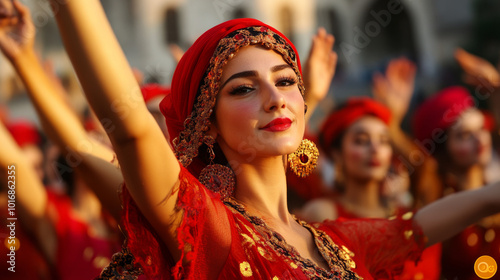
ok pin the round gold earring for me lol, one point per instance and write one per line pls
(305, 159)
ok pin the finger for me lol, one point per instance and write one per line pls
(8, 21)
(176, 52)
(321, 32)
(379, 86)
(22, 10)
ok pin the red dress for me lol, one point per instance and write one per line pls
(461, 251)
(216, 232)
(427, 268)
(29, 261)
(79, 254)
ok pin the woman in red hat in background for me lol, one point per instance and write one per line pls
(356, 137)
(457, 135)
(235, 112)
(450, 153)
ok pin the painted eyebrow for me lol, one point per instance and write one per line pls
(245, 74)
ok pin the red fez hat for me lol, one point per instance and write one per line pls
(150, 91)
(489, 120)
(441, 111)
(351, 111)
(24, 133)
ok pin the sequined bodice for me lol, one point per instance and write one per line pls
(339, 259)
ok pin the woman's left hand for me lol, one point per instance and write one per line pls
(477, 70)
(395, 88)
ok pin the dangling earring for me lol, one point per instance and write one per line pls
(216, 177)
(304, 160)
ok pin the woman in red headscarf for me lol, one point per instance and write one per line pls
(236, 107)
(356, 138)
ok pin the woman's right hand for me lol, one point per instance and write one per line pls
(17, 32)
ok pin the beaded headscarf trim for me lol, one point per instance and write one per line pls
(186, 145)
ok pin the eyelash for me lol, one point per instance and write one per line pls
(241, 89)
(290, 79)
(245, 88)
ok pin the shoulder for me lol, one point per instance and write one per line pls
(319, 209)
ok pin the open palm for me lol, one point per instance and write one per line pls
(477, 70)
(17, 32)
(395, 88)
(320, 66)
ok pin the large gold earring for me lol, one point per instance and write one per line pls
(216, 177)
(305, 159)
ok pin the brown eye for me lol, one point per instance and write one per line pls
(286, 82)
(361, 140)
(241, 90)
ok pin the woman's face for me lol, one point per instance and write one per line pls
(260, 110)
(366, 150)
(469, 142)
(34, 156)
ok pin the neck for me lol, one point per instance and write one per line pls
(469, 179)
(362, 194)
(261, 188)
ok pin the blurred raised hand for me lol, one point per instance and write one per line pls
(395, 88)
(176, 52)
(17, 32)
(319, 69)
(477, 70)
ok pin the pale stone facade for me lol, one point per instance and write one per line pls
(434, 28)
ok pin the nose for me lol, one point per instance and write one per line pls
(375, 146)
(275, 99)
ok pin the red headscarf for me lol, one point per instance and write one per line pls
(24, 133)
(342, 118)
(197, 77)
(441, 111)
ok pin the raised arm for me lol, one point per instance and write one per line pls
(394, 89)
(485, 77)
(450, 215)
(60, 123)
(21, 183)
(149, 166)
(319, 70)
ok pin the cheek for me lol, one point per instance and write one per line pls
(354, 156)
(463, 149)
(386, 154)
(235, 117)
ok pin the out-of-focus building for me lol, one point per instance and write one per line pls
(368, 32)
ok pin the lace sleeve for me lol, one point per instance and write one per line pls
(203, 233)
(382, 245)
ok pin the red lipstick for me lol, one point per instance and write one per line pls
(375, 163)
(278, 124)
